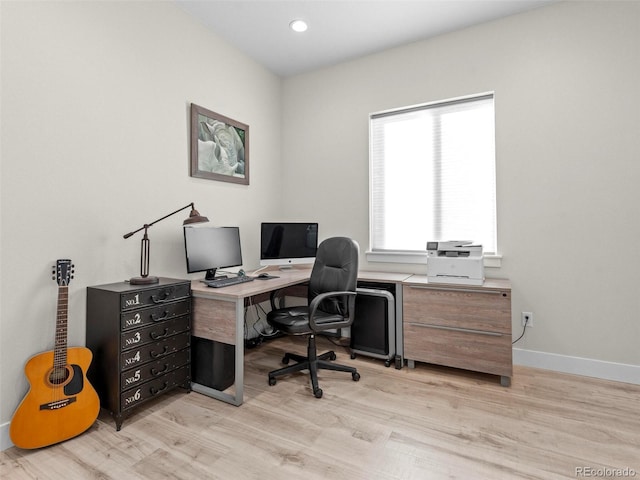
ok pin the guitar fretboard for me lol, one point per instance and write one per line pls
(60, 350)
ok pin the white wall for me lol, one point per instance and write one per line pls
(95, 143)
(566, 87)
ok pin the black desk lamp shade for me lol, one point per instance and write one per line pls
(144, 278)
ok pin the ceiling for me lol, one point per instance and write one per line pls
(339, 30)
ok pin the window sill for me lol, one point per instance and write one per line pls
(420, 258)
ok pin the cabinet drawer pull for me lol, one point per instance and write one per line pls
(164, 316)
(456, 329)
(155, 391)
(157, 336)
(157, 373)
(156, 355)
(166, 295)
(461, 290)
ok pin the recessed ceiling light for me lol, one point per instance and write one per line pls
(298, 26)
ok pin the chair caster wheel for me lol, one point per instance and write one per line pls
(353, 355)
(387, 363)
(272, 381)
(318, 393)
(355, 376)
(285, 360)
(332, 357)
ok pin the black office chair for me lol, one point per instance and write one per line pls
(331, 305)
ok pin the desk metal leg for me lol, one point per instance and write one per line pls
(399, 328)
(238, 396)
(239, 382)
(217, 394)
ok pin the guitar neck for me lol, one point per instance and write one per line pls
(60, 350)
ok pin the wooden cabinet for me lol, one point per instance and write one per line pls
(459, 326)
(140, 336)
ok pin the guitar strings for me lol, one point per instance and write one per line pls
(59, 372)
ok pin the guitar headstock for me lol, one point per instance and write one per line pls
(63, 272)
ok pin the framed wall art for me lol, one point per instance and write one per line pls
(219, 147)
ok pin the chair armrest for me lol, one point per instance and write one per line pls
(313, 306)
(272, 299)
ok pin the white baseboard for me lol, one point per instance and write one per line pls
(619, 372)
(5, 440)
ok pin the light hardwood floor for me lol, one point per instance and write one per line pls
(423, 423)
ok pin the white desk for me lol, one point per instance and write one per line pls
(218, 315)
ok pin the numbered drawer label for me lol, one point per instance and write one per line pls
(149, 371)
(154, 333)
(154, 296)
(132, 397)
(149, 316)
(154, 351)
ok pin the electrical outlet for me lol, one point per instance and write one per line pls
(527, 319)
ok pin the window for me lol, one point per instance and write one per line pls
(432, 174)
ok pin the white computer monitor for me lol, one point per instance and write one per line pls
(285, 244)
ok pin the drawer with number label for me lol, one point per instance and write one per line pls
(148, 316)
(133, 396)
(135, 338)
(148, 371)
(154, 296)
(154, 351)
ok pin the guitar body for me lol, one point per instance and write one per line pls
(60, 404)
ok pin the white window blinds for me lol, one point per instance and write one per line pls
(432, 175)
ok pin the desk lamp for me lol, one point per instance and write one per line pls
(144, 278)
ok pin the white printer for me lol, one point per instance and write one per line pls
(455, 261)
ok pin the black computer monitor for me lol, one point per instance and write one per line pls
(288, 243)
(210, 248)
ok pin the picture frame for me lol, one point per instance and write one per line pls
(219, 147)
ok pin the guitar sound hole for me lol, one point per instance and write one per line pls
(59, 375)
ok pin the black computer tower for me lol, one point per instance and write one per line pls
(212, 363)
(373, 328)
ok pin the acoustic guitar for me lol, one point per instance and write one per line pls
(61, 403)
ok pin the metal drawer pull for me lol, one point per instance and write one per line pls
(155, 391)
(166, 296)
(164, 316)
(157, 373)
(456, 329)
(156, 355)
(461, 290)
(157, 336)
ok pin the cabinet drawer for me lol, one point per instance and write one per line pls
(132, 397)
(480, 351)
(149, 371)
(154, 296)
(154, 333)
(473, 309)
(147, 316)
(154, 351)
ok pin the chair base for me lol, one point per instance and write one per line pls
(312, 362)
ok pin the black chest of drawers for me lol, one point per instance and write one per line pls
(140, 336)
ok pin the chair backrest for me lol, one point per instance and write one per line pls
(335, 269)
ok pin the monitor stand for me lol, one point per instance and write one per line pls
(211, 274)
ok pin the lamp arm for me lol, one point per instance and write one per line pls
(147, 225)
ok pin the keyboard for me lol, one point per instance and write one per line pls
(225, 282)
